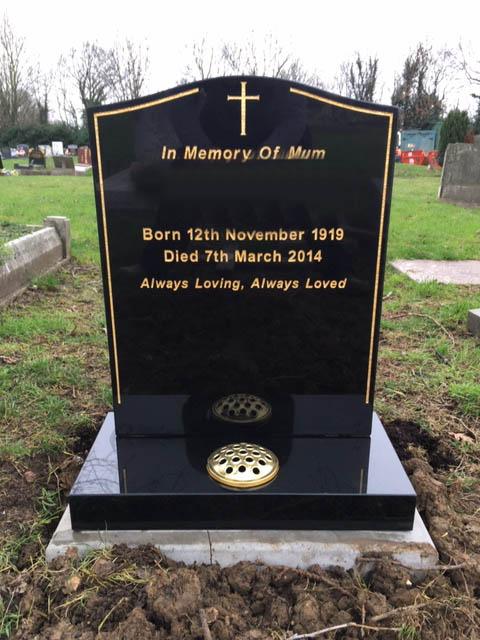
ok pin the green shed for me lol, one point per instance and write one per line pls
(419, 139)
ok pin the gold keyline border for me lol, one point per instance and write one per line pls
(388, 115)
(190, 92)
(96, 117)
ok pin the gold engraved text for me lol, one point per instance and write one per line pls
(273, 235)
(193, 152)
(300, 153)
(326, 284)
(242, 255)
(160, 234)
(170, 285)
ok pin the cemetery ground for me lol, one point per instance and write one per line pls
(54, 393)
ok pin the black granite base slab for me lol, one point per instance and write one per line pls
(162, 483)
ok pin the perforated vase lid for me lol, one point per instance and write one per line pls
(243, 466)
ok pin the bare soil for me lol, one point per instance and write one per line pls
(130, 594)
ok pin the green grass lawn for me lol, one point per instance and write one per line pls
(27, 200)
(422, 226)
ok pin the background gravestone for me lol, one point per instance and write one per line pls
(84, 155)
(46, 149)
(461, 173)
(57, 148)
(22, 150)
(63, 162)
(36, 158)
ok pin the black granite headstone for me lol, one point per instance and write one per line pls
(36, 158)
(243, 226)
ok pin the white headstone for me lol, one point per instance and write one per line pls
(57, 148)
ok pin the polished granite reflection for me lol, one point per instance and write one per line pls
(162, 483)
(296, 415)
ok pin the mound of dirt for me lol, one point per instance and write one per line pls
(130, 594)
(406, 436)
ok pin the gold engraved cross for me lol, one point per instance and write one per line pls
(243, 106)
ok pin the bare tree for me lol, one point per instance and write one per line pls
(248, 59)
(41, 84)
(66, 106)
(86, 69)
(296, 72)
(15, 101)
(126, 69)
(358, 79)
(99, 74)
(420, 89)
(206, 62)
(231, 58)
(470, 69)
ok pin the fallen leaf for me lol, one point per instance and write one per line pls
(9, 360)
(71, 553)
(72, 584)
(71, 460)
(103, 567)
(473, 528)
(462, 437)
(211, 614)
(30, 476)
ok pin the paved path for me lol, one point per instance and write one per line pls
(444, 271)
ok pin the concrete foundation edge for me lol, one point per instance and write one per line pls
(459, 272)
(473, 322)
(32, 255)
(414, 549)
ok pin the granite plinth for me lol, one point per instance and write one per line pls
(161, 483)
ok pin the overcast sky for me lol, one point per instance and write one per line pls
(321, 34)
